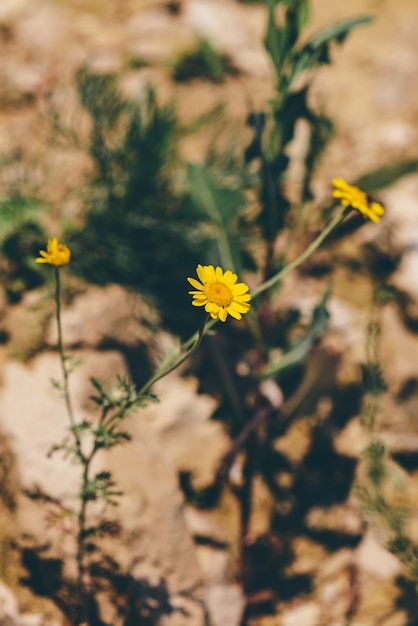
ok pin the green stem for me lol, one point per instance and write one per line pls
(302, 257)
(82, 530)
(83, 460)
(64, 370)
(190, 345)
(194, 342)
(224, 249)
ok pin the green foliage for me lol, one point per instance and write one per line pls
(20, 234)
(387, 175)
(298, 352)
(218, 207)
(136, 62)
(273, 133)
(316, 50)
(81, 446)
(380, 468)
(101, 486)
(203, 61)
(266, 154)
(136, 219)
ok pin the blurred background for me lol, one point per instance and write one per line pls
(259, 491)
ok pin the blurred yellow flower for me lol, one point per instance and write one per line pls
(219, 293)
(352, 196)
(56, 254)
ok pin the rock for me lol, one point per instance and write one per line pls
(8, 607)
(181, 424)
(379, 604)
(106, 317)
(153, 546)
(10, 616)
(306, 556)
(24, 325)
(12, 8)
(340, 518)
(400, 202)
(296, 441)
(405, 280)
(32, 619)
(203, 524)
(335, 563)
(307, 614)
(225, 605)
(397, 350)
(372, 558)
(241, 43)
(352, 440)
(214, 563)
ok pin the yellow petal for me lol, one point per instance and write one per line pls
(223, 314)
(195, 284)
(233, 313)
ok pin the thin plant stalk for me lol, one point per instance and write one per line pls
(302, 257)
(197, 336)
(191, 345)
(85, 462)
(64, 369)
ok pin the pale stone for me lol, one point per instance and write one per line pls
(215, 564)
(307, 555)
(352, 440)
(8, 604)
(225, 604)
(339, 517)
(109, 315)
(335, 563)
(296, 441)
(307, 614)
(373, 558)
(181, 423)
(154, 542)
(398, 350)
(240, 41)
(202, 523)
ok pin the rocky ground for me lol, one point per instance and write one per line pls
(181, 556)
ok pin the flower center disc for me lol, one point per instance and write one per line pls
(219, 294)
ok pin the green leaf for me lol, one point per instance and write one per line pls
(81, 427)
(220, 205)
(338, 31)
(274, 37)
(304, 13)
(299, 351)
(202, 120)
(316, 49)
(321, 128)
(14, 210)
(386, 175)
(297, 16)
(217, 203)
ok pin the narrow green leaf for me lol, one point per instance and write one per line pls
(387, 175)
(274, 37)
(304, 13)
(217, 203)
(337, 31)
(316, 49)
(317, 326)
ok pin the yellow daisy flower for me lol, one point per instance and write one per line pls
(57, 254)
(357, 199)
(219, 293)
